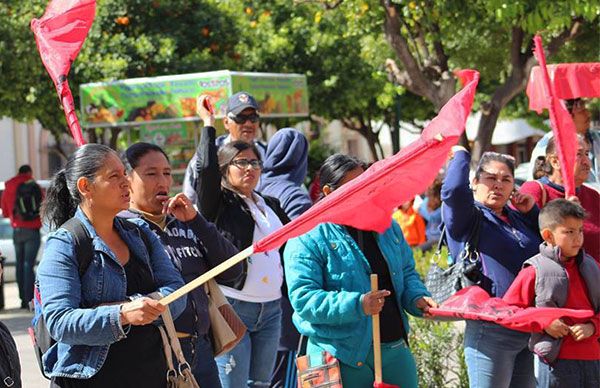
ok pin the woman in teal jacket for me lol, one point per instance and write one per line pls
(328, 269)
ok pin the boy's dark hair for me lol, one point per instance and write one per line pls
(25, 169)
(555, 212)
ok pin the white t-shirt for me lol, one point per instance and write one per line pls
(265, 275)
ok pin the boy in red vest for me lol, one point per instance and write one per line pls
(562, 275)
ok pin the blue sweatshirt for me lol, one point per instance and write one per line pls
(503, 246)
(285, 166)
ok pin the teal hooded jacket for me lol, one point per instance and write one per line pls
(327, 274)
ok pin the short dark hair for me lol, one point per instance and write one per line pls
(489, 156)
(132, 155)
(335, 167)
(556, 211)
(25, 169)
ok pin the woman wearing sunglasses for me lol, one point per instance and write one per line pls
(226, 196)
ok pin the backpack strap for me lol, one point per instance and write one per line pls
(127, 225)
(84, 250)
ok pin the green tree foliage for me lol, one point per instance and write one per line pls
(339, 44)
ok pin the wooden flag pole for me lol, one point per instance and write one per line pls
(376, 337)
(224, 266)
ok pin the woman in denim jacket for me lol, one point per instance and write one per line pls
(328, 269)
(103, 324)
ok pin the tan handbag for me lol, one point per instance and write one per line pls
(227, 329)
(181, 377)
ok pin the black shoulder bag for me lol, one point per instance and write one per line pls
(443, 283)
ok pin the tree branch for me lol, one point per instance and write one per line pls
(414, 80)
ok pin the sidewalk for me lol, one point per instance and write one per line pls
(18, 321)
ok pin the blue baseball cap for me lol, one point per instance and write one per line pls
(240, 101)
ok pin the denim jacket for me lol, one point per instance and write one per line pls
(77, 310)
(327, 275)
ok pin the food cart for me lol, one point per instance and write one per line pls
(162, 110)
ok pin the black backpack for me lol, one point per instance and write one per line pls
(84, 252)
(10, 367)
(28, 201)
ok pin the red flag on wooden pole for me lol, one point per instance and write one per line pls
(562, 124)
(59, 35)
(367, 202)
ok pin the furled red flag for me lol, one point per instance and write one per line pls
(562, 124)
(368, 201)
(59, 35)
(569, 80)
(473, 303)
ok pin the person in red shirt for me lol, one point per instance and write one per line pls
(562, 275)
(20, 202)
(550, 187)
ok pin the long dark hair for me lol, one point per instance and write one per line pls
(132, 155)
(62, 197)
(334, 169)
(226, 155)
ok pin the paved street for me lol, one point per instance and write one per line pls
(18, 321)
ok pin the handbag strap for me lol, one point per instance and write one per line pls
(470, 251)
(175, 346)
(174, 340)
(167, 349)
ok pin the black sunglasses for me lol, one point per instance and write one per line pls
(241, 119)
(244, 163)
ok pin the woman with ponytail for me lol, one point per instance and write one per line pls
(104, 325)
(550, 186)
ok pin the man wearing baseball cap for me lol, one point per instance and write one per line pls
(241, 122)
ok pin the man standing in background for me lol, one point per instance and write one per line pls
(21, 203)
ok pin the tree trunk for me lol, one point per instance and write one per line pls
(114, 135)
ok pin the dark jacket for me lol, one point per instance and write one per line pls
(503, 247)
(195, 247)
(285, 167)
(222, 206)
(232, 217)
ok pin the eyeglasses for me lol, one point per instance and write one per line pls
(244, 163)
(241, 119)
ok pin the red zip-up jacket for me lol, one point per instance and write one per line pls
(8, 203)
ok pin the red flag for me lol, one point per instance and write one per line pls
(59, 35)
(569, 80)
(562, 125)
(474, 303)
(367, 202)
